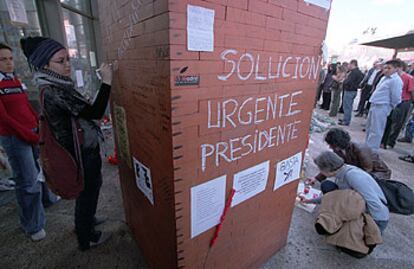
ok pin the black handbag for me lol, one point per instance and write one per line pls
(400, 198)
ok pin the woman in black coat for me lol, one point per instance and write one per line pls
(61, 104)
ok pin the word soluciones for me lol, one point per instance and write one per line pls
(304, 67)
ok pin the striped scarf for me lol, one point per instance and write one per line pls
(48, 77)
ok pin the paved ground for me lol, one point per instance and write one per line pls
(305, 249)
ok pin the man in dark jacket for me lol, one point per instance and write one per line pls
(366, 87)
(354, 154)
(350, 86)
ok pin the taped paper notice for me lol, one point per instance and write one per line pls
(79, 79)
(92, 57)
(200, 28)
(250, 182)
(326, 4)
(17, 11)
(122, 134)
(143, 180)
(288, 170)
(207, 205)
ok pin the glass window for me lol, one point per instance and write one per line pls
(81, 48)
(11, 33)
(81, 5)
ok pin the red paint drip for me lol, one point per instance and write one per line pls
(223, 216)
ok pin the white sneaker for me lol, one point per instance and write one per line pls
(40, 235)
(7, 182)
(4, 187)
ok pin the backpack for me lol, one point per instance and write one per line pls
(63, 172)
(400, 198)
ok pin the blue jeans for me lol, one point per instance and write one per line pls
(382, 224)
(23, 160)
(409, 129)
(348, 104)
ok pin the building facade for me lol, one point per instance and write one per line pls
(74, 23)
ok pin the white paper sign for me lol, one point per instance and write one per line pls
(207, 205)
(326, 4)
(92, 57)
(143, 179)
(17, 11)
(79, 79)
(288, 170)
(311, 193)
(200, 28)
(250, 182)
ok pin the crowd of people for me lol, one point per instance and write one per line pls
(386, 100)
(20, 139)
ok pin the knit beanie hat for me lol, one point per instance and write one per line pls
(39, 50)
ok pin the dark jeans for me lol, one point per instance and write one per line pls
(87, 201)
(365, 94)
(395, 123)
(326, 100)
(336, 98)
(409, 129)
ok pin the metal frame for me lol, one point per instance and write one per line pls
(51, 11)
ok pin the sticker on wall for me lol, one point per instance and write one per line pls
(122, 134)
(207, 205)
(143, 179)
(17, 11)
(288, 170)
(326, 4)
(200, 28)
(187, 80)
(250, 182)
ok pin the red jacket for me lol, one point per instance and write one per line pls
(17, 117)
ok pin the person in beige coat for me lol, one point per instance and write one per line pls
(343, 220)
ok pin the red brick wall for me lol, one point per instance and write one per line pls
(168, 124)
(135, 37)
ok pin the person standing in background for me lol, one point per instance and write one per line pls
(321, 78)
(411, 68)
(350, 86)
(336, 90)
(326, 87)
(366, 87)
(399, 114)
(386, 96)
(19, 138)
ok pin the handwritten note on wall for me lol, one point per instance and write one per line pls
(288, 170)
(250, 182)
(200, 28)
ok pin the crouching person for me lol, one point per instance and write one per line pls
(342, 219)
(351, 177)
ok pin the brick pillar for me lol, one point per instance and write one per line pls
(188, 117)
